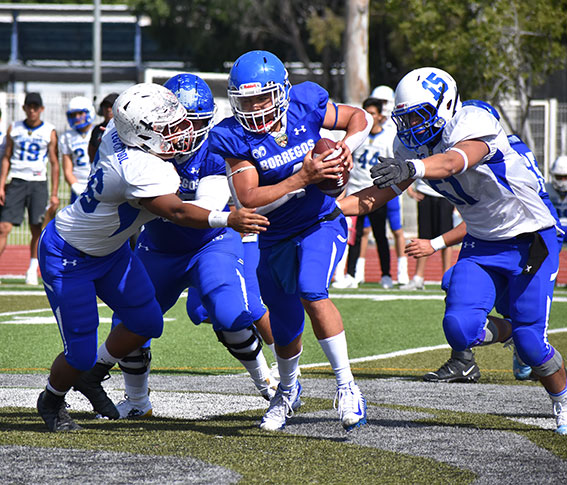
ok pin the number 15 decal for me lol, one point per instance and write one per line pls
(436, 85)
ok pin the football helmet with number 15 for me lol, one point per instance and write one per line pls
(425, 100)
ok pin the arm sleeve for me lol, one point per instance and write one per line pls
(212, 193)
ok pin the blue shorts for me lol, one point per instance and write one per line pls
(489, 273)
(299, 268)
(197, 312)
(394, 212)
(216, 271)
(73, 280)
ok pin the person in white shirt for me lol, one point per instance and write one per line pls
(31, 144)
(84, 252)
(511, 242)
(74, 144)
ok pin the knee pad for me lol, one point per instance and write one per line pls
(551, 366)
(137, 362)
(454, 334)
(491, 334)
(244, 344)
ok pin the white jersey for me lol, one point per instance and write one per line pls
(104, 217)
(559, 201)
(497, 198)
(30, 150)
(366, 156)
(75, 144)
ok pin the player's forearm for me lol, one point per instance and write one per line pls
(264, 195)
(365, 201)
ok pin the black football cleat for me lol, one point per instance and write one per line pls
(53, 410)
(455, 370)
(89, 384)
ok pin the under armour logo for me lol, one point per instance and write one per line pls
(194, 170)
(299, 130)
(69, 261)
(528, 268)
(468, 244)
(141, 246)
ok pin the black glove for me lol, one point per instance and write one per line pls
(391, 171)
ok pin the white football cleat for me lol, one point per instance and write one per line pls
(560, 413)
(282, 406)
(134, 410)
(351, 406)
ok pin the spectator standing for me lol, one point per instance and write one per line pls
(74, 145)
(30, 145)
(379, 143)
(104, 110)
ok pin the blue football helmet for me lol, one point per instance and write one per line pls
(197, 98)
(425, 101)
(77, 106)
(484, 105)
(258, 90)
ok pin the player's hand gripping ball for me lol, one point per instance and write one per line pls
(332, 187)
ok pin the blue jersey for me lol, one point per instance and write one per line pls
(278, 157)
(517, 144)
(164, 236)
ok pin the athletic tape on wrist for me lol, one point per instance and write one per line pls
(419, 168)
(438, 243)
(218, 219)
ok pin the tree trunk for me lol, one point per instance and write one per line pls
(357, 86)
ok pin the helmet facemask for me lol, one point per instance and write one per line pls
(559, 174)
(169, 139)
(418, 125)
(258, 108)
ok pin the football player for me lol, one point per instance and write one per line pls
(557, 189)
(461, 366)
(210, 262)
(84, 252)
(74, 144)
(268, 144)
(30, 145)
(511, 242)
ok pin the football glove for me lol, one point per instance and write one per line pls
(391, 171)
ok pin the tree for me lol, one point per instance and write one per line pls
(495, 49)
(206, 33)
(356, 52)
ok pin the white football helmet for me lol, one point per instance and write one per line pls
(559, 174)
(150, 117)
(80, 104)
(386, 95)
(425, 100)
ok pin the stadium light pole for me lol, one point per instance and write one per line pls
(96, 50)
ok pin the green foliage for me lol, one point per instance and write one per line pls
(493, 48)
(325, 30)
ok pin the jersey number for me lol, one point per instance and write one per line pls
(79, 157)
(461, 198)
(435, 84)
(126, 213)
(32, 151)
